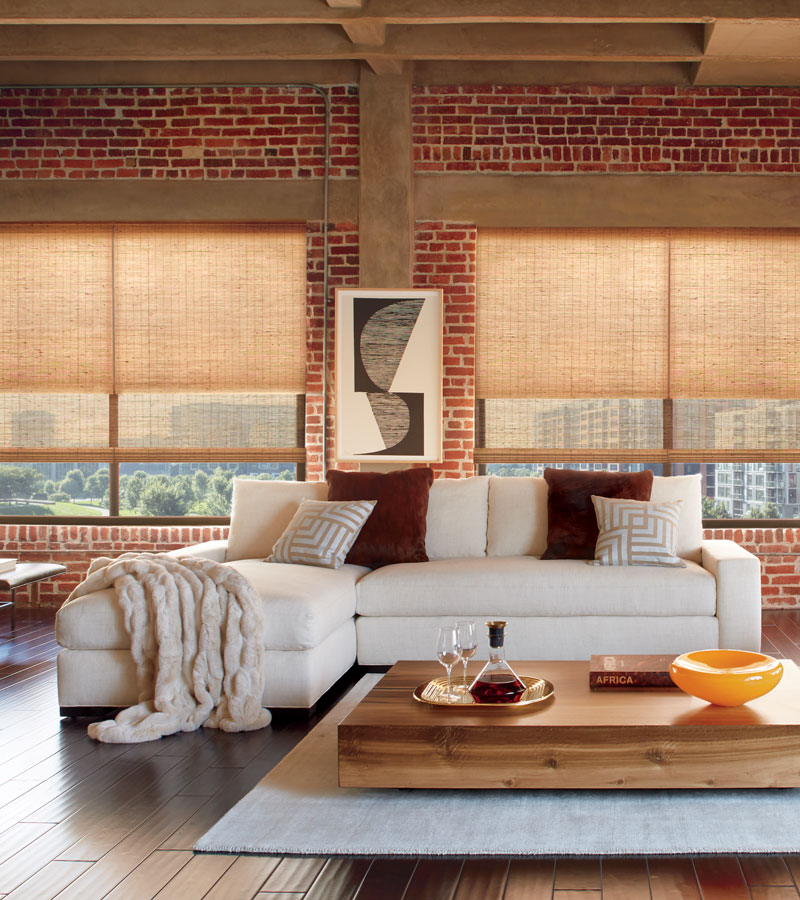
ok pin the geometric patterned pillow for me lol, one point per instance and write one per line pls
(322, 532)
(636, 533)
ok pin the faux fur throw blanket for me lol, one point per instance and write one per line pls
(197, 641)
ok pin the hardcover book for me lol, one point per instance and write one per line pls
(628, 671)
(7, 564)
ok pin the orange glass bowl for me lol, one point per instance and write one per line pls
(726, 677)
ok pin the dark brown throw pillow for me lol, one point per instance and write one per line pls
(395, 532)
(571, 521)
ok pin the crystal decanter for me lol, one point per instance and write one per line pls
(497, 682)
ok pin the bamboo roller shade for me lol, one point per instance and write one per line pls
(209, 308)
(191, 308)
(151, 335)
(701, 314)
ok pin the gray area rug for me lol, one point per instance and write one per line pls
(298, 809)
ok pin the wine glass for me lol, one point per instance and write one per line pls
(448, 654)
(467, 645)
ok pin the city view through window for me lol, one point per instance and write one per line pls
(145, 489)
(730, 490)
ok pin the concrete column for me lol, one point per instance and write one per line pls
(386, 203)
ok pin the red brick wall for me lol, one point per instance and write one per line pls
(342, 272)
(183, 132)
(779, 552)
(74, 546)
(582, 129)
(445, 258)
(199, 133)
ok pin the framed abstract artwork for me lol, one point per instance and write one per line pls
(389, 375)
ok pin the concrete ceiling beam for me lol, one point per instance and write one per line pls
(750, 53)
(634, 43)
(389, 11)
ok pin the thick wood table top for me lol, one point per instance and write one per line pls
(574, 704)
(609, 739)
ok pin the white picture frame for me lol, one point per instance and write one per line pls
(388, 375)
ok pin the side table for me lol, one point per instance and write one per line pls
(23, 574)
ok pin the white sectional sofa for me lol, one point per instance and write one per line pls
(484, 535)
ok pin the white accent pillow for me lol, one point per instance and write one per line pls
(636, 533)
(689, 489)
(322, 532)
(456, 518)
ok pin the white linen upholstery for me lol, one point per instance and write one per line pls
(523, 586)
(517, 523)
(738, 576)
(261, 510)
(214, 550)
(382, 640)
(457, 517)
(302, 605)
(293, 678)
(483, 537)
(687, 488)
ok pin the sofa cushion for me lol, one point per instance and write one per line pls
(321, 532)
(687, 488)
(637, 532)
(523, 586)
(517, 522)
(395, 531)
(261, 511)
(458, 510)
(302, 606)
(571, 522)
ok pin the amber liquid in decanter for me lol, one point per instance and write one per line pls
(497, 682)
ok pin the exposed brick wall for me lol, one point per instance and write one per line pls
(520, 130)
(444, 257)
(343, 271)
(198, 133)
(779, 552)
(182, 132)
(75, 546)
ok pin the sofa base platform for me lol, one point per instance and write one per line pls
(293, 678)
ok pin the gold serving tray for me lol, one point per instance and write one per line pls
(536, 691)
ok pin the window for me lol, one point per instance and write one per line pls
(675, 347)
(148, 345)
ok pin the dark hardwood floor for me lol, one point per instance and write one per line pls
(85, 820)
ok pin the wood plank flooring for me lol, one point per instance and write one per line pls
(85, 820)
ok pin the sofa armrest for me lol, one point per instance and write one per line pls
(214, 550)
(738, 576)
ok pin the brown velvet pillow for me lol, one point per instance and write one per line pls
(395, 532)
(571, 521)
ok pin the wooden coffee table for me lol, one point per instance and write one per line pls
(646, 738)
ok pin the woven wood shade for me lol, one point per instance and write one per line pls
(735, 314)
(55, 309)
(664, 346)
(124, 341)
(571, 313)
(209, 308)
